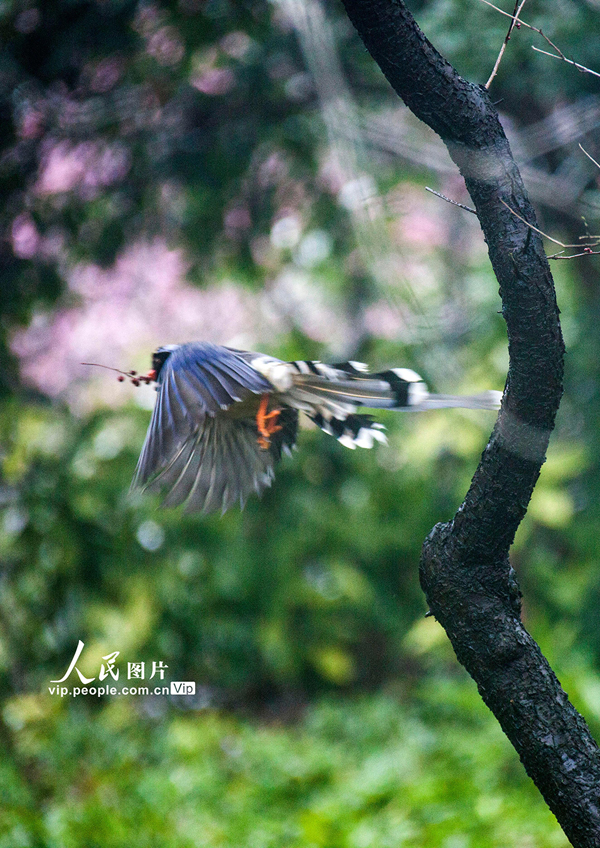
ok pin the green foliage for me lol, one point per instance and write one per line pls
(349, 774)
(313, 585)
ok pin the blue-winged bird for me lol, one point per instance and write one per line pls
(223, 417)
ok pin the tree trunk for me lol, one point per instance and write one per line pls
(465, 572)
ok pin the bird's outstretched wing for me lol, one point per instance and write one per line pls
(221, 463)
(193, 447)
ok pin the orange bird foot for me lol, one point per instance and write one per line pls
(266, 423)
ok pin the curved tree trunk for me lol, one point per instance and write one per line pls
(465, 573)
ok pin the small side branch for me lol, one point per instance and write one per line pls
(591, 158)
(558, 54)
(513, 23)
(585, 247)
(579, 67)
(449, 200)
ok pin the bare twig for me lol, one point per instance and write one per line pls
(587, 252)
(535, 229)
(591, 158)
(516, 13)
(587, 247)
(508, 15)
(558, 52)
(449, 200)
(579, 67)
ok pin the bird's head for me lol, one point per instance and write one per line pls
(159, 357)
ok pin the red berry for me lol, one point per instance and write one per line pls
(121, 378)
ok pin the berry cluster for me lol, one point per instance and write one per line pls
(133, 376)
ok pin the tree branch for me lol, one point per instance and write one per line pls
(465, 572)
(513, 23)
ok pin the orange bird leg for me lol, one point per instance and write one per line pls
(266, 422)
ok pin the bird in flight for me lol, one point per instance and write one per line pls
(223, 417)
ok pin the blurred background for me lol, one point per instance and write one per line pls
(241, 172)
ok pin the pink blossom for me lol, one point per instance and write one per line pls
(385, 321)
(66, 166)
(124, 313)
(106, 74)
(214, 81)
(165, 46)
(25, 237)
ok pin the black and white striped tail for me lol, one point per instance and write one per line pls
(396, 388)
(412, 393)
(354, 431)
(332, 394)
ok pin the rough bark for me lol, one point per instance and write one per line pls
(465, 571)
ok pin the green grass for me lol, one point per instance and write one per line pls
(372, 771)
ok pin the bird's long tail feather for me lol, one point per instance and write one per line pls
(485, 400)
(387, 390)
